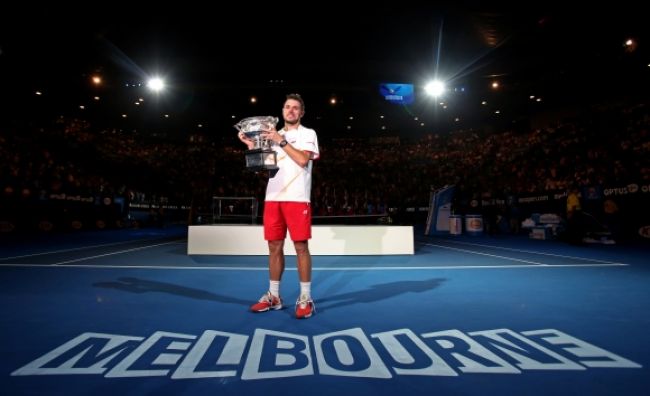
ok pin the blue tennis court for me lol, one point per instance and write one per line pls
(129, 312)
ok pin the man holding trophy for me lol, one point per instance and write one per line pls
(288, 154)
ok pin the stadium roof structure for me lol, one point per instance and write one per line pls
(214, 63)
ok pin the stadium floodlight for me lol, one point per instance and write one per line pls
(435, 88)
(156, 84)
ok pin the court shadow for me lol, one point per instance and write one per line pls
(377, 293)
(135, 285)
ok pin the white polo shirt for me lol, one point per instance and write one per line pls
(292, 182)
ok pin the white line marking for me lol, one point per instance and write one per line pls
(78, 248)
(486, 254)
(525, 251)
(240, 268)
(114, 253)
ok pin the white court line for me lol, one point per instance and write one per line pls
(516, 259)
(114, 253)
(485, 254)
(78, 248)
(525, 251)
(240, 268)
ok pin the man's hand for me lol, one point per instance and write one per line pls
(272, 134)
(246, 140)
(300, 157)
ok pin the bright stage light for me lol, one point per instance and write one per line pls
(434, 88)
(156, 84)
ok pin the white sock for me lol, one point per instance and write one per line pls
(274, 288)
(305, 289)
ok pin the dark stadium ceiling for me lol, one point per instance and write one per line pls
(218, 59)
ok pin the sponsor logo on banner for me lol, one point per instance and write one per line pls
(629, 189)
(397, 93)
(268, 354)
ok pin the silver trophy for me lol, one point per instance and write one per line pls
(261, 156)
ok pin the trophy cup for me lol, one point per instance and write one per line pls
(261, 156)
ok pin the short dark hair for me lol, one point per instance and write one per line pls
(297, 98)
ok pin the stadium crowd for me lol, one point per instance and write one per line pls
(46, 168)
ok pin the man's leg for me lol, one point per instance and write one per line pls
(274, 233)
(271, 300)
(304, 260)
(305, 305)
(276, 260)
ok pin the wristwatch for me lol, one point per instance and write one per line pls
(283, 143)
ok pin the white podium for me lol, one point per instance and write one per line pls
(344, 240)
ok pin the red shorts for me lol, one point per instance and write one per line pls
(278, 216)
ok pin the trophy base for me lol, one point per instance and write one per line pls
(261, 159)
(263, 168)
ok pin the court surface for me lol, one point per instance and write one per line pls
(128, 312)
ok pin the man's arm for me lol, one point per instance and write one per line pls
(300, 157)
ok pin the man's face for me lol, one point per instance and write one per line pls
(292, 111)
